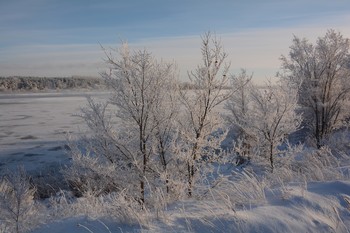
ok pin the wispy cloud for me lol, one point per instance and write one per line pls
(257, 50)
(254, 35)
(52, 60)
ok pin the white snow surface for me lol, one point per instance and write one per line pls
(33, 131)
(34, 127)
(319, 207)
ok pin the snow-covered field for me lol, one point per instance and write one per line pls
(33, 132)
(34, 127)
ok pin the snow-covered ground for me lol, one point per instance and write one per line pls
(317, 207)
(33, 132)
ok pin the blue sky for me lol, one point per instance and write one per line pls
(61, 37)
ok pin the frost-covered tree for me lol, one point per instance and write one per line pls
(320, 72)
(17, 200)
(238, 105)
(268, 117)
(165, 133)
(200, 116)
(140, 85)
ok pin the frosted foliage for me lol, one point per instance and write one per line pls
(91, 175)
(98, 166)
(134, 132)
(142, 92)
(238, 103)
(16, 201)
(264, 116)
(200, 118)
(119, 207)
(320, 72)
(238, 106)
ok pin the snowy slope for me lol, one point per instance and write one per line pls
(319, 207)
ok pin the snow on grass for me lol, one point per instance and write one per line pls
(296, 209)
(319, 207)
(85, 225)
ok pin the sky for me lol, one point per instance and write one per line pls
(64, 37)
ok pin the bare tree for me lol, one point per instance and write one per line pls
(200, 118)
(321, 74)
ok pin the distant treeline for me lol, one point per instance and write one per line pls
(53, 83)
(21, 83)
(191, 86)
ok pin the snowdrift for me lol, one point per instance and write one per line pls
(311, 207)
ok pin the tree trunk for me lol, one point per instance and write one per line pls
(191, 169)
(190, 178)
(167, 183)
(317, 128)
(164, 162)
(142, 185)
(271, 156)
(144, 163)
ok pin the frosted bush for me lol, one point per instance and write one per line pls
(17, 210)
(301, 164)
(119, 207)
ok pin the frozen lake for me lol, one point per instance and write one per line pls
(34, 127)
